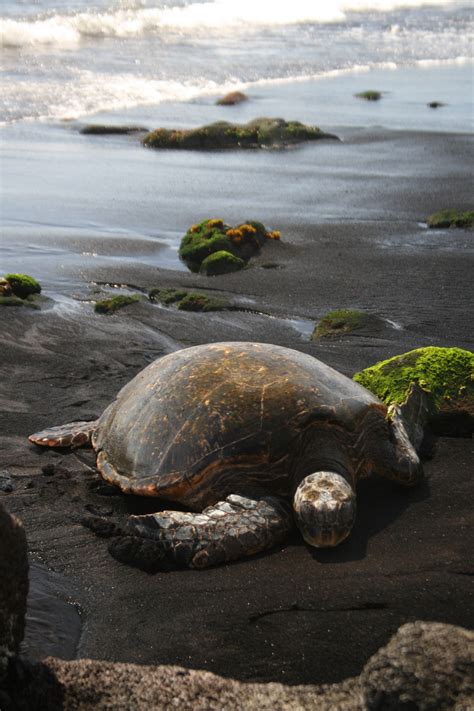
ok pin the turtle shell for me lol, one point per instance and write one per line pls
(221, 418)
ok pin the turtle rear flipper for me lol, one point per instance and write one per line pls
(229, 530)
(74, 434)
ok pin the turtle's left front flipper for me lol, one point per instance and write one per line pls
(229, 530)
(74, 434)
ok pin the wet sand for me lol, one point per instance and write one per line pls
(352, 236)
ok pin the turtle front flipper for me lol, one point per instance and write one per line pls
(416, 411)
(74, 434)
(395, 456)
(228, 530)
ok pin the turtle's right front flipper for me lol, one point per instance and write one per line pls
(74, 434)
(229, 530)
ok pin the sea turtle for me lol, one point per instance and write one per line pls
(238, 432)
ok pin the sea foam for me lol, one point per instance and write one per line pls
(65, 29)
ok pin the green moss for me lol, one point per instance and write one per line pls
(211, 236)
(31, 301)
(23, 285)
(221, 262)
(221, 135)
(195, 301)
(166, 296)
(187, 300)
(110, 306)
(337, 323)
(369, 95)
(446, 373)
(451, 218)
(11, 301)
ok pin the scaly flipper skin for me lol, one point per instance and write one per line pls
(229, 530)
(416, 412)
(73, 435)
(404, 465)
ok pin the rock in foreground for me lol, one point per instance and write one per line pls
(259, 133)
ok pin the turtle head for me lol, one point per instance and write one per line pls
(325, 507)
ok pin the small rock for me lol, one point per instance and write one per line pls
(232, 98)
(6, 482)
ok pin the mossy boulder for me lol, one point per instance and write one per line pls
(259, 133)
(187, 300)
(343, 321)
(236, 245)
(451, 218)
(369, 95)
(110, 306)
(23, 285)
(98, 129)
(221, 262)
(446, 374)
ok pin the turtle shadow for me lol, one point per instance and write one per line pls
(379, 503)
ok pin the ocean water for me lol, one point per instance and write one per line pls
(66, 59)
(70, 203)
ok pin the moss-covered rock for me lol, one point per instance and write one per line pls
(259, 133)
(110, 306)
(447, 374)
(98, 129)
(369, 95)
(221, 262)
(12, 301)
(166, 296)
(232, 98)
(187, 300)
(451, 218)
(23, 285)
(342, 321)
(211, 236)
(196, 301)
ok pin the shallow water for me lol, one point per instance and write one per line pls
(71, 203)
(53, 622)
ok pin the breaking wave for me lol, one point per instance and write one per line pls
(65, 29)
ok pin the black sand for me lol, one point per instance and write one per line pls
(295, 615)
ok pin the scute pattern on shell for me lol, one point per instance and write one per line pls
(221, 418)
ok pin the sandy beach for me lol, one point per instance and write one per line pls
(352, 216)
